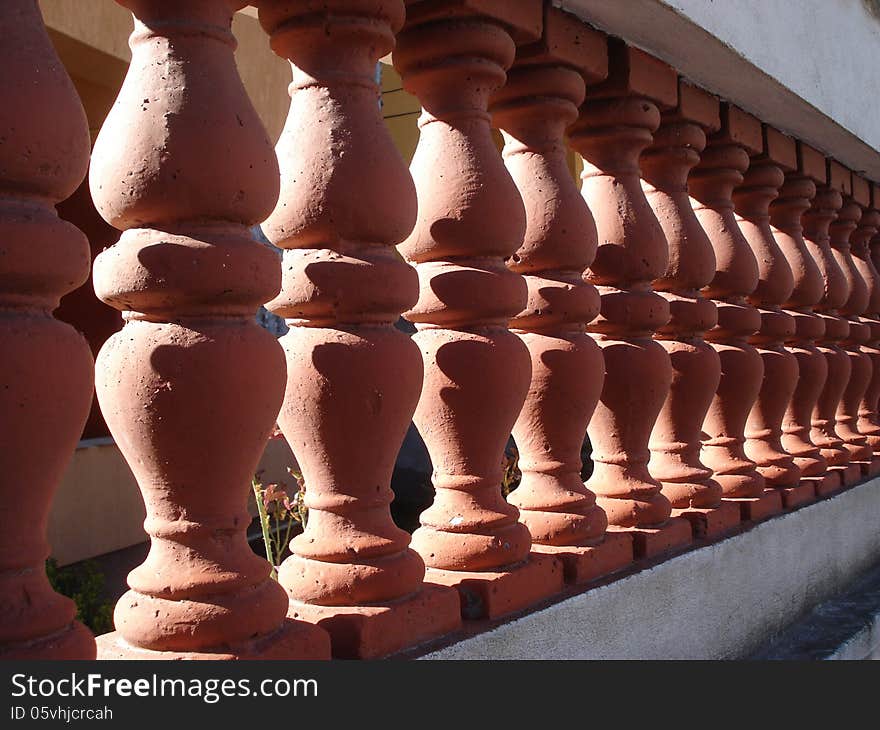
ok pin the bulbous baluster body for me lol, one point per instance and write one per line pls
(184, 168)
(696, 368)
(476, 371)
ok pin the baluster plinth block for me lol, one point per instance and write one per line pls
(614, 126)
(544, 89)
(722, 166)
(696, 368)
(453, 55)
(184, 168)
(46, 370)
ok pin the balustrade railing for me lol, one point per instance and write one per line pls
(705, 309)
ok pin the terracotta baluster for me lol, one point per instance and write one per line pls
(860, 243)
(544, 88)
(477, 373)
(817, 221)
(615, 126)
(751, 200)
(786, 213)
(46, 366)
(191, 386)
(856, 304)
(696, 369)
(711, 184)
(346, 200)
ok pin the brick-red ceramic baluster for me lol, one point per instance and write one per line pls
(696, 369)
(786, 213)
(841, 230)
(543, 91)
(477, 372)
(192, 385)
(817, 221)
(45, 366)
(711, 184)
(353, 379)
(860, 246)
(615, 126)
(751, 200)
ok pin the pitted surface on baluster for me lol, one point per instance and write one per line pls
(346, 200)
(540, 99)
(470, 219)
(816, 222)
(752, 200)
(722, 167)
(696, 369)
(184, 167)
(615, 125)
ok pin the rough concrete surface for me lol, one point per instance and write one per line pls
(845, 627)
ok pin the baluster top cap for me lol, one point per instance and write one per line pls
(739, 128)
(778, 148)
(839, 178)
(566, 40)
(632, 72)
(861, 190)
(697, 106)
(811, 163)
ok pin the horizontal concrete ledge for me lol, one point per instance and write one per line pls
(721, 601)
(807, 67)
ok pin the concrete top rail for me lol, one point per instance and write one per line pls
(807, 67)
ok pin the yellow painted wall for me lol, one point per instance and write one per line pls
(92, 40)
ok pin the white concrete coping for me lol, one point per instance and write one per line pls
(807, 67)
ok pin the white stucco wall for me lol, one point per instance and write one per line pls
(809, 67)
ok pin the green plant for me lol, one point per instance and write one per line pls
(278, 513)
(84, 583)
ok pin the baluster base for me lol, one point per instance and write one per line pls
(587, 563)
(649, 542)
(294, 640)
(492, 594)
(826, 484)
(798, 495)
(710, 522)
(868, 469)
(372, 632)
(755, 509)
(850, 474)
